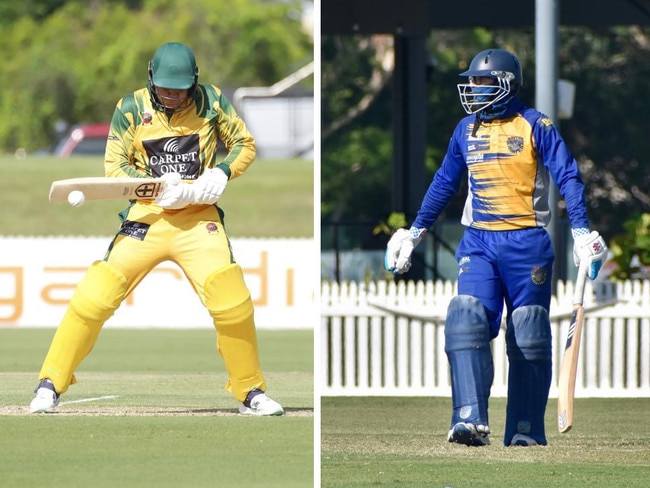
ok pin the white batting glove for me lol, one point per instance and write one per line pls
(591, 249)
(176, 194)
(209, 187)
(400, 247)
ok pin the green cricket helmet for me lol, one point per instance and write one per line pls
(173, 66)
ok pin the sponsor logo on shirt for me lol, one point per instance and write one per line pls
(174, 155)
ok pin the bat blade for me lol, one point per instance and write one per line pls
(568, 371)
(569, 364)
(105, 188)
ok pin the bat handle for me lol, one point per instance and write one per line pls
(581, 280)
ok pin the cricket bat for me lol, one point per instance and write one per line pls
(569, 365)
(105, 188)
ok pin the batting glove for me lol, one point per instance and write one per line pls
(209, 187)
(590, 248)
(400, 247)
(176, 193)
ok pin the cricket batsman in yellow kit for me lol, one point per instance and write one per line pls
(170, 129)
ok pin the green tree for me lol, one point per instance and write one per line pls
(76, 62)
(12, 10)
(356, 128)
(631, 249)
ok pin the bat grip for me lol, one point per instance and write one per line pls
(581, 280)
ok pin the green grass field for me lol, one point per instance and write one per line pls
(169, 422)
(401, 442)
(274, 198)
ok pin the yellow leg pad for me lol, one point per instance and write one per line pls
(229, 303)
(96, 298)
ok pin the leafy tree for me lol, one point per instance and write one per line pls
(12, 10)
(74, 63)
(631, 249)
(356, 128)
(608, 130)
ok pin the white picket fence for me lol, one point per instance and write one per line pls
(387, 339)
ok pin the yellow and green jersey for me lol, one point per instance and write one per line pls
(145, 142)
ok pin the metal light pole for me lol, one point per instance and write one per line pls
(546, 90)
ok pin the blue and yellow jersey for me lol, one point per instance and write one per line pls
(145, 142)
(508, 164)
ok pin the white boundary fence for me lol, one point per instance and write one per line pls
(387, 339)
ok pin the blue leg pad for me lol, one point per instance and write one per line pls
(467, 344)
(528, 346)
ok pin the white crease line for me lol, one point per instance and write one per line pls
(84, 400)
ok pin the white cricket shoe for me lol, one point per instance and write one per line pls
(46, 398)
(523, 440)
(260, 404)
(469, 434)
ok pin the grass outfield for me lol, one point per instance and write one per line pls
(401, 442)
(150, 411)
(256, 204)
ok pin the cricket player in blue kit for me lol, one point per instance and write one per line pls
(508, 152)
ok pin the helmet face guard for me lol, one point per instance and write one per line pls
(162, 102)
(168, 101)
(475, 98)
(502, 68)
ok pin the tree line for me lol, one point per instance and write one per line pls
(72, 60)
